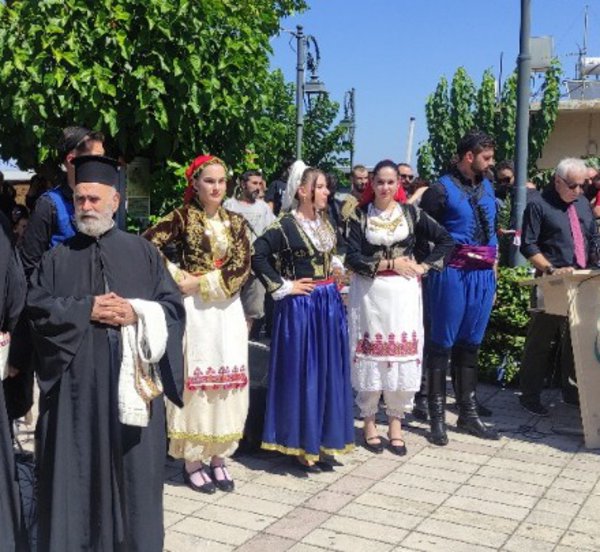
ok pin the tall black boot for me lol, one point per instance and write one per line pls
(483, 411)
(420, 409)
(437, 364)
(466, 383)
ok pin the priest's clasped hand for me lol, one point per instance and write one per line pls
(112, 310)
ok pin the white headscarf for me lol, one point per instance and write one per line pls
(289, 201)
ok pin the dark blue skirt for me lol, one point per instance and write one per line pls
(309, 403)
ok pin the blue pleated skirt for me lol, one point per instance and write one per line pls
(309, 402)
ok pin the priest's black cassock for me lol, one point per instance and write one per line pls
(100, 482)
(12, 299)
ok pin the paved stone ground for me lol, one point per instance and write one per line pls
(537, 489)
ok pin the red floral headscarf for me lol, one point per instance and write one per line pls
(196, 165)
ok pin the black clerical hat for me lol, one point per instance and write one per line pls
(96, 168)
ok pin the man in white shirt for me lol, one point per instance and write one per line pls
(259, 216)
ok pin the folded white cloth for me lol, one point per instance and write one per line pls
(143, 344)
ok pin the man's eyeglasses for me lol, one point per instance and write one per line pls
(505, 180)
(409, 177)
(572, 185)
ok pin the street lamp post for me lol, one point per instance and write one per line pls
(314, 87)
(349, 121)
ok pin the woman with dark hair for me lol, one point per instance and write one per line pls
(386, 312)
(214, 248)
(309, 403)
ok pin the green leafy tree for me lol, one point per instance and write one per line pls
(450, 115)
(165, 79)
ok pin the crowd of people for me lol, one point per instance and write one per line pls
(140, 341)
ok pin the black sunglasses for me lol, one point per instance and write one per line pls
(572, 185)
(505, 180)
(409, 177)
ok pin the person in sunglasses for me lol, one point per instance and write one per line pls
(558, 232)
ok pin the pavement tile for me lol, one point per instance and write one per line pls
(266, 492)
(517, 543)
(367, 529)
(580, 475)
(176, 542)
(434, 543)
(408, 492)
(557, 506)
(518, 487)
(420, 482)
(472, 535)
(351, 484)
(302, 483)
(490, 508)
(328, 501)
(562, 495)
(303, 547)
(450, 465)
(473, 448)
(515, 475)
(402, 520)
(170, 518)
(298, 523)
(475, 519)
(343, 542)
(528, 467)
(586, 525)
(581, 541)
(375, 468)
(552, 519)
(256, 505)
(494, 495)
(444, 454)
(565, 548)
(510, 454)
(212, 530)
(536, 532)
(181, 505)
(397, 504)
(235, 517)
(264, 542)
(428, 473)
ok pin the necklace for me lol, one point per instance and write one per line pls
(319, 233)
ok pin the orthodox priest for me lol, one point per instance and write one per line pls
(12, 299)
(100, 479)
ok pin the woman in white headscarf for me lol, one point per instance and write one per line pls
(309, 404)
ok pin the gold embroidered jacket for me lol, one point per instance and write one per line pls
(222, 276)
(285, 251)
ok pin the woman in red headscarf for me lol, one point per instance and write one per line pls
(213, 249)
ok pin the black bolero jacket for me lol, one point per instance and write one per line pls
(363, 257)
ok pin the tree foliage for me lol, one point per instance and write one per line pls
(450, 114)
(165, 79)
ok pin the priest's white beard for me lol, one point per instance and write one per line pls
(95, 224)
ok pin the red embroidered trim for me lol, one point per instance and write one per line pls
(223, 378)
(389, 347)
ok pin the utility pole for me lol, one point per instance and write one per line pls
(522, 135)
(410, 140)
(300, 59)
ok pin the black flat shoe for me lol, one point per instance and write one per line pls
(226, 485)
(398, 450)
(324, 466)
(376, 448)
(207, 488)
(309, 468)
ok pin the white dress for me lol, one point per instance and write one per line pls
(215, 398)
(386, 318)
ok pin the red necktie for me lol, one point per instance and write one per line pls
(578, 243)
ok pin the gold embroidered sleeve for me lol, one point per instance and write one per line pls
(236, 269)
(168, 229)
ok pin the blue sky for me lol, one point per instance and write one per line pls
(393, 52)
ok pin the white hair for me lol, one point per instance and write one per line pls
(293, 183)
(570, 165)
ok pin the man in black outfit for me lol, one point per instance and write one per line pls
(558, 231)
